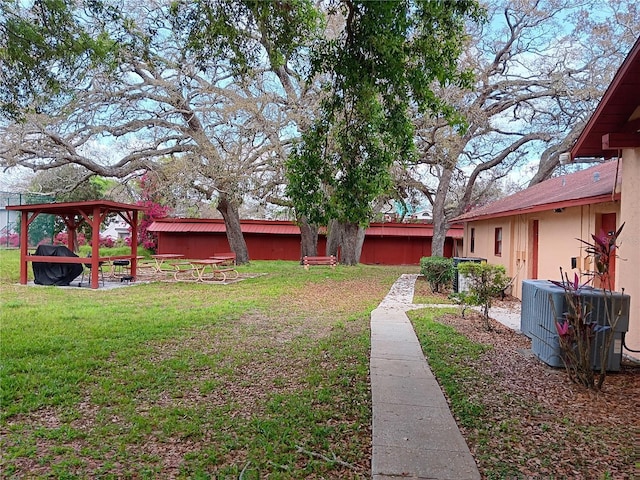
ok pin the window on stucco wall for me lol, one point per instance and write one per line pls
(497, 245)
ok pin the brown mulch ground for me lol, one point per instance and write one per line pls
(540, 424)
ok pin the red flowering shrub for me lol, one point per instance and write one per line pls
(10, 240)
(107, 242)
(62, 238)
(152, 211)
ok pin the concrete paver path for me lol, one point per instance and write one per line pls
(414, 433)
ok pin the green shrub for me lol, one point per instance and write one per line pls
(485, 281)
(438, 271)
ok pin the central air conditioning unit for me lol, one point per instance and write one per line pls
(536, 310)
(544, 303)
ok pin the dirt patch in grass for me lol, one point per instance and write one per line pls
(537, 423)
(326, 299)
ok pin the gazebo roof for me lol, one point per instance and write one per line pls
(66, 208)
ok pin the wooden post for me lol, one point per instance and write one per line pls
(24, 246)
(134, 243)
(95, 248)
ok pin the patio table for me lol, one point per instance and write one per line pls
(200, 267)
(161, 258)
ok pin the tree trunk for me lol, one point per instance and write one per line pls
(360, 241)
(334, 238)
(440, 222)
(440, 228)
(351, 244)
(308, 239)
(231, 217)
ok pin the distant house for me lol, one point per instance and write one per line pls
(384, 244)
(533, 232)
(117, 230)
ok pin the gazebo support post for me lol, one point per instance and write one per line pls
(24, 246)
(95, 247)
(134, 243)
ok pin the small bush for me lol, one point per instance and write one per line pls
(485, 282)
(438, 271)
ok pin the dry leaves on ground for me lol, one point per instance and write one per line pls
(541, 425)
(551, 425)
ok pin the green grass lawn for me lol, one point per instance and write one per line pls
(267, 377)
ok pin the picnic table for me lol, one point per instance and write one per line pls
(161, 258)
(227, 258)
(208, 270)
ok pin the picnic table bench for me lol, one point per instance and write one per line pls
(197, 270)
(228, 258)
(147, 268)
(329, 260)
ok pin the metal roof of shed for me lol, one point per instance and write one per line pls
(196, 225)
(279, 227)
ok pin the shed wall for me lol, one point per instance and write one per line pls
(382, 250)
(205, 245)
(395, 250)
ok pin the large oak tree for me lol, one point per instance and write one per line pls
(209, 85)
(541, 66)
(387, 57)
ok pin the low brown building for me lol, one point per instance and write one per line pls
(534, 232)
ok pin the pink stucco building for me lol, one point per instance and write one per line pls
(534, 232)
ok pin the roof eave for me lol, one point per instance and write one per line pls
(580, 144)
(543, 208)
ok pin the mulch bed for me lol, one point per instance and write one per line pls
(543, 424)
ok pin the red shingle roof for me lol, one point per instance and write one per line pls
(593, 185)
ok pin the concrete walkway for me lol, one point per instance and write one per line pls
(414, 433)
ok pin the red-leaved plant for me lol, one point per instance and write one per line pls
(153, 210)
(578, 328)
